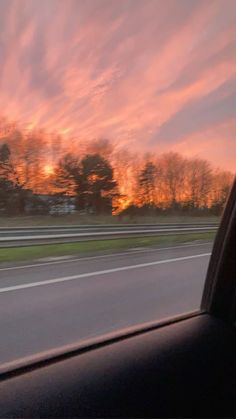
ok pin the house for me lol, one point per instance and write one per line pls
(53, 204)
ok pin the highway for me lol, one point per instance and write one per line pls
(46, 304)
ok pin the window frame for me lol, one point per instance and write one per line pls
(219, 294)
(218, 300)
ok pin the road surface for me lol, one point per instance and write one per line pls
(51, 303)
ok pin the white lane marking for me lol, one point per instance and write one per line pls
(127, 253)
(54, 258)
(96, 273)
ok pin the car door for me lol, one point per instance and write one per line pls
(180, 367)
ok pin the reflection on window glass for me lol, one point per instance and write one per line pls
(117, 154)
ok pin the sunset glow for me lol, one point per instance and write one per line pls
(148, 75)
(48, 169)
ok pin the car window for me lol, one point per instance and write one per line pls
(117, 155)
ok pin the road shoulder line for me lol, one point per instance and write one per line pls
(72, 260)
(97, 273)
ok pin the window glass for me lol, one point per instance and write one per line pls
(117, 153)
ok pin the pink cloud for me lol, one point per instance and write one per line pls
(153, 75)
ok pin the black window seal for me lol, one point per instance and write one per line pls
(219, 295)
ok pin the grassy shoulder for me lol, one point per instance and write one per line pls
(77, 219)
(15, 254)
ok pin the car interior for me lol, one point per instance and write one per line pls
(181, 367)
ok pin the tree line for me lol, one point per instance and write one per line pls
(104, 180)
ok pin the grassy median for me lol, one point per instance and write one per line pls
(14, 254)
(77, 219)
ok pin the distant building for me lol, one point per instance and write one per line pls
(53, 204)
(66, 206)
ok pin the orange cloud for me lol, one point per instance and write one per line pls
(149, 75)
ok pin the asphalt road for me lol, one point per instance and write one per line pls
(58, 302)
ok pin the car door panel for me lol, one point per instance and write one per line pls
(184, 369)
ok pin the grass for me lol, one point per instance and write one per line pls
(47, 220)
(15, 254)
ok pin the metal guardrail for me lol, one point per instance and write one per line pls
(105, 226)
(89, 233)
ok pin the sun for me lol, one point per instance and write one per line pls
(48, 169)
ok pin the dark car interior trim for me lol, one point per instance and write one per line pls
(28, 364)
(220, 286)
(185, 369)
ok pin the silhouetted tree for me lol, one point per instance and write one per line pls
(173, 168)
(169, 182)
(6, 166)
(7, 192)
(221, 184)
(147, 182)
(11, 185)
(198, 184)
(90, 179)
(67, 175)
(96, 187)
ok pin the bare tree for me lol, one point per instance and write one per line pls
(221, 185)
(173, 168)
(199, 177)
(147, 182)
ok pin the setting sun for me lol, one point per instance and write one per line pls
(48, 169)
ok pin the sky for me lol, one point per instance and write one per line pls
(150, 75)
